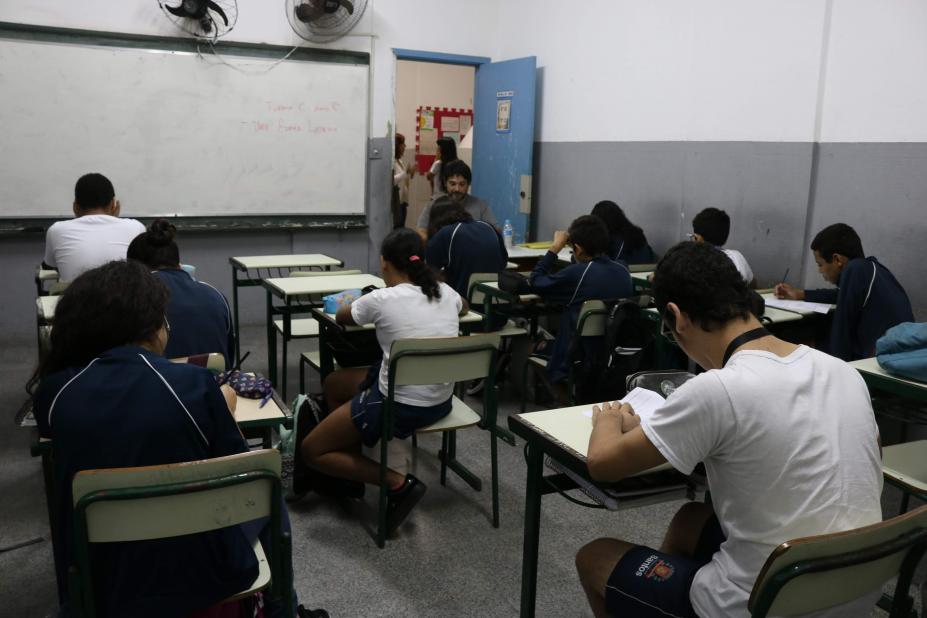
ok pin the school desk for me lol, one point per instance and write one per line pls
(43, 277)
(292, 291)
(879, 380)
(46, 308)
(641, 280)
(563, 436)
(242, 265)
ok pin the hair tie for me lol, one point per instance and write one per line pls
(413, 258)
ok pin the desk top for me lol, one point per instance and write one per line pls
(305, 260)
(771, 296)
(641, 275)
(248, 412)
(519, 253)
(871, 367)
(46, 306)
(298, 286)
(43, 274)
(469, 318)
(524, 298)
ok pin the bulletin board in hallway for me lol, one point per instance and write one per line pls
(434, 122)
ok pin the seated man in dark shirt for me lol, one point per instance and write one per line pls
(869, 299)
(459, 246)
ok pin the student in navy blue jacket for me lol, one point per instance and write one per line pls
(108, 399)
(198, 313)
(626, 241)
(869, 299)
(593, 277)
(458, 246)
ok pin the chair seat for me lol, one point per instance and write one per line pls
(461, 416)
(300, 327)
(263, 577)
(906, 464)
(511, 330)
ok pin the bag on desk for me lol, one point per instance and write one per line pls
(902, 350)
(246, 384)
(512, 282)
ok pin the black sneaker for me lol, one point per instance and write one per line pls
(400, 502)
(302, 612)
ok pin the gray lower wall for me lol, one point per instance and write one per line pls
(767, 188)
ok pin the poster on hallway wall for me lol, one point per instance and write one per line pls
(434, 122)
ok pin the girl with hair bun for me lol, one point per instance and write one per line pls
(199, 315)
(414, 304)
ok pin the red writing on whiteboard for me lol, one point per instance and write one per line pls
(282, 127)
(319, 130)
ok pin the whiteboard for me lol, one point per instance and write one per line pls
(178, 133)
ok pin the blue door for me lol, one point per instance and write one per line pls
(503, 139)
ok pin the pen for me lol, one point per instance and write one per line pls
(786, 275)
(266, 399)
(237, 366)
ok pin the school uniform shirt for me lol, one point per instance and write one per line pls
(402, 312)
(790, 449)
(199, 315)
(869, 301)
(129, 407)
(618, 250)
(81, 244)
(464, 248)
(477, 208)
(741, 263)
(598, 279)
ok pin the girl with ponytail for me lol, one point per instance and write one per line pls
(414, 304)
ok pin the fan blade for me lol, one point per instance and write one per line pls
(347, 4)
(218, 9)
(176, 10)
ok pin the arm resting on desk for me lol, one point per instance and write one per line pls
(614, 455)
(344, 316)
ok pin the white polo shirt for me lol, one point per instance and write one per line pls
(78, 245)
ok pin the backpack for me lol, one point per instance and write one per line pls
(627, 347)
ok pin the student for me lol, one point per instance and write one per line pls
(787, 436)
(198, 313)
(447, 152)
(593, 277)
(402, 175)
(713, 226)
(95, 235)
(458, 246)
(626, 241)
(457, 178)
(869, 299)
(414, 304)
(108, 399)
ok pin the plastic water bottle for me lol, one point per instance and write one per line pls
(508, 233)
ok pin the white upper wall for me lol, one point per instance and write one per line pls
(875, 88)
(626, 70)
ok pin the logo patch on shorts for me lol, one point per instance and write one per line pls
(655, 568)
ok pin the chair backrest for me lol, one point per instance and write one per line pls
(475, 297)
(153, 502)
(592, 317)
(325, 273)
(442, 359)
(818, 572)
(214, 361)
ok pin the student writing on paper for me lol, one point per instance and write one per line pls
(107, 398)
(95, 235)
(713, 225)
(198, 313)
(414, 304)
(787, 436)
(868, 297)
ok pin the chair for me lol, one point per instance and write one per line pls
(591, 323)
(434, 361)
(819, 572)
(905, 467)
(134, 504)
(477, 299)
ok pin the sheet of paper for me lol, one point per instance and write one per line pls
(798, 306)
(450, 123)
(645, 402)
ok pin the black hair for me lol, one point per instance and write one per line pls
(456, 168)
(155, 247)
(445, 211)
(405, 250)
(589, 232)
(93, 191)
(712, 224)
(618, 224)
(838, 238)
(116, 304)
(448, 149)
(703, 282)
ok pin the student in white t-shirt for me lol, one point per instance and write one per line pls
(787, 436)
(713, 226)
(414, 304)
(96, 235)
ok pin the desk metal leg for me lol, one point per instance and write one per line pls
(235, 315)
(287, 327)
(326, 362)
(529, 560)
(271, 342)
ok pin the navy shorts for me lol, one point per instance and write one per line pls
(648, 583)
(367, 414)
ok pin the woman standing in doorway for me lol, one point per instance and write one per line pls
(401, 177)
(447, 151)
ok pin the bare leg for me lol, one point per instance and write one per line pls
(334, 448)
(686, 528)
(340, 386)
(595, 562)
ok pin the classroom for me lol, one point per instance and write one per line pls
(269, 153)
